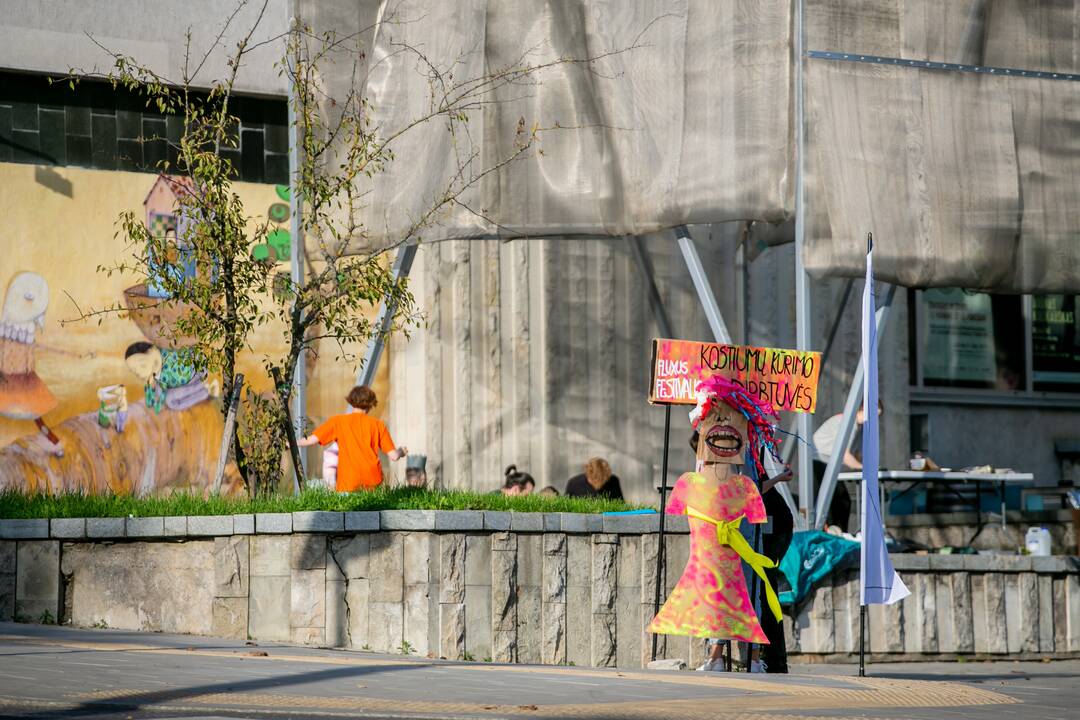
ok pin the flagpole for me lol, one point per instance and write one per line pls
(862, 641)
(862, 489)
(879, 583)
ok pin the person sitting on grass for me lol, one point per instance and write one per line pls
(596, 481)
(359, 438)
(516, 482)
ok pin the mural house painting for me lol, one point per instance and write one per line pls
(111, 404)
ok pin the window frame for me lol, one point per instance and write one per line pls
(1027, 397)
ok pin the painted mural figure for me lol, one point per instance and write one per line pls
(711, 599)
(23, 395)
(169, 377)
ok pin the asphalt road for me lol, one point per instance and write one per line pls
(51, 672)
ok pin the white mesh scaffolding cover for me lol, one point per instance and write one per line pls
(686, 122)
(966, 180)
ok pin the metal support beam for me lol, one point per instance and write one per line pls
(802, 280)
(641, 258)
(701, 284)
(402, 265)
(847, 423)
(296, 239)
(789, 446)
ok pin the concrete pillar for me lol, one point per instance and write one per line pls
(504, 597)
(845, 593)
(478, 637)
(963, 621)
(421, 604)
(231, 582)
(1028, 607)
(462, 380)
(7, 581)
(554, 600)
(530, 567)
(605, 549)
(994, 619)
(37, 581)
(1046, 613)
(820, 636)
(926, 589)
(628, 607)
(649, 546)
(270, 598)
(348, 591)
(1072, 612)
(307, 607)
(578, 600)
(452, 596)
(433, 367)
(386, 617)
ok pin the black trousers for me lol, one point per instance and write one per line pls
(774, 544)
(840, 507)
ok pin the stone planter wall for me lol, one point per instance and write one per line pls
(1019, 607)
(529, 588)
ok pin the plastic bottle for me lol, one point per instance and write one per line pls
(1037, 541)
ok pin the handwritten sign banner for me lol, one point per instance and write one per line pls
(785, 379)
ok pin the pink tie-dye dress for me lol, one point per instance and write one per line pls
(711, 598)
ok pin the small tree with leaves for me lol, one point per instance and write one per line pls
(231, 293)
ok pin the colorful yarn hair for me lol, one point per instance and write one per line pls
(761, 419)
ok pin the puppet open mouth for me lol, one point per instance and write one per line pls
(724, 440)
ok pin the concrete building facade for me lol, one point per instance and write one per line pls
(535, 352)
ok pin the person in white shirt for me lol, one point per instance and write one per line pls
(824, 442)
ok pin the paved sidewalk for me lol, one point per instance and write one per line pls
(50, 672)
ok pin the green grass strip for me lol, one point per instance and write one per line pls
(18, 505)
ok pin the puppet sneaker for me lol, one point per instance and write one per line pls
(758, 666)
(713, 666)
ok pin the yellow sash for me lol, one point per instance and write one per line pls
(727, 533)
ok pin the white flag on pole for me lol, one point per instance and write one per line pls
(879, 583)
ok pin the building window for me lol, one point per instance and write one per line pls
(1055, 343)
(1002, 343)
(95, 126)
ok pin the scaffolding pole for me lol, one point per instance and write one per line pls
(296, 241)
(402, 266)
(802, 280)
(701, 284)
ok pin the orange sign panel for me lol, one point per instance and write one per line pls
(785, 379)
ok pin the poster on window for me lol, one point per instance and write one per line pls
(1055, 340)
(959, 329)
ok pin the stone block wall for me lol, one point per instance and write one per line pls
(960, 605)
(568, 595)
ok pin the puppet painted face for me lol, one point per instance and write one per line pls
(722, 436)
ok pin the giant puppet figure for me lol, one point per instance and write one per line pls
(711, 598)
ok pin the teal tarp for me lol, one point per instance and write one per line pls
(811, 556)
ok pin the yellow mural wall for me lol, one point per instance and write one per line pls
(61, 224)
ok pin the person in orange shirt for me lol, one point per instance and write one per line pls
(359, 437)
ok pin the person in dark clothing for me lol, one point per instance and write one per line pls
(774, 546)
(596, 481)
